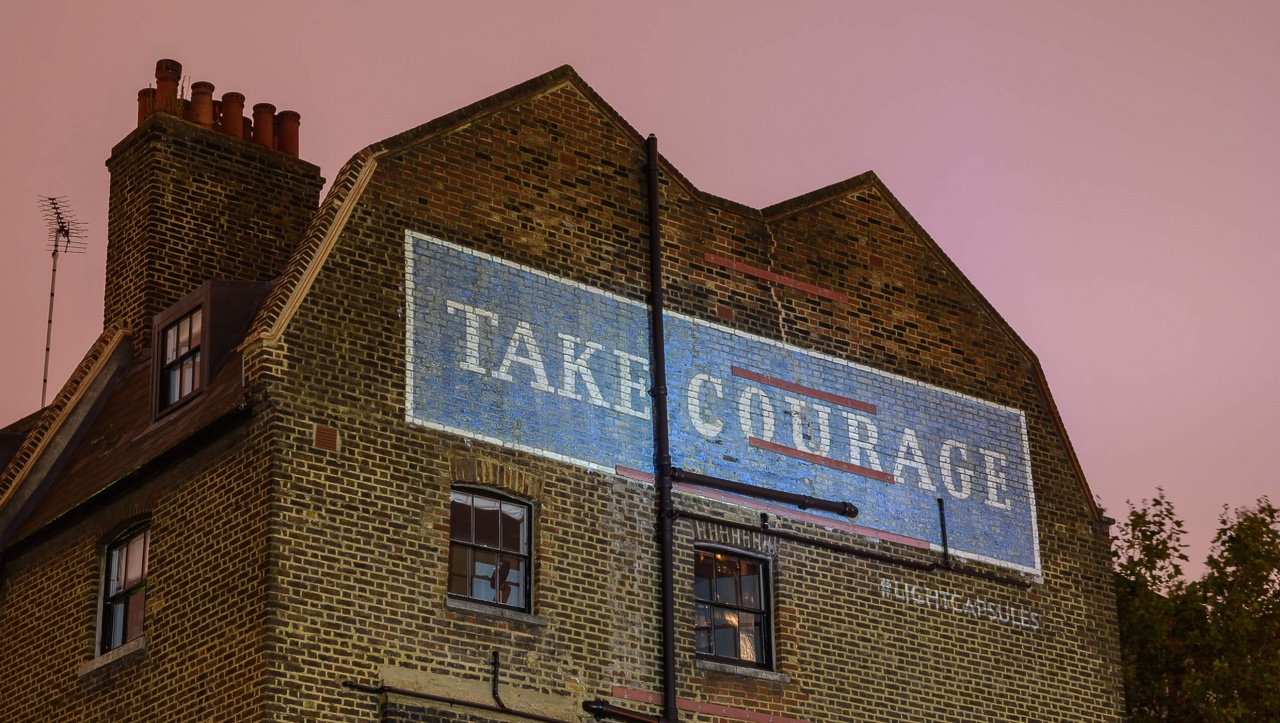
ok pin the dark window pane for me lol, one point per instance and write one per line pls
(749, 637)
(514, 528)
(726, 580)
(173, 386)
(459, 570)
(487, 525)
(195, 371)
(703, 572)
(460, 516)
(117, 626)
(702, 628)
(486, 564)
(134, 558)
(170, 344)
(509, 581)
(115, 578)
(751, 596)
(195, 328)
(134, 618)
(725, 632)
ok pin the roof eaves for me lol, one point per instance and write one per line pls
(99, 360)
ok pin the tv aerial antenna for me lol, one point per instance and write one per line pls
(66, 236)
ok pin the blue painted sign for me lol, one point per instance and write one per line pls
(511, 355)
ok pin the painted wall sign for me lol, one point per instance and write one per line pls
(511, 355)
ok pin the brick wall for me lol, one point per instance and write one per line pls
(556, 184)
(284, 567)
(205, 621)
(189, 205)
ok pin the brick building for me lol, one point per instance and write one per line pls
(403, 454)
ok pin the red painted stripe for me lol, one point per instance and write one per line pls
(793, 513)
(801, 389)
(817, 459)
(633, 473)
(776, 278)
(696, 707)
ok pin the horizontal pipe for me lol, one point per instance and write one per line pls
(380, 689)
(853, 551)
(804, 502)
(601, 709)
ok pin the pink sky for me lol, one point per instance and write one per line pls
(1108, 174)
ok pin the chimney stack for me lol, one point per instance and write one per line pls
(202, 103)
(168, 72)
(264, 119)
(267, 128)
(233, 114)
(288, 140)
(230, 210)
(146, 103)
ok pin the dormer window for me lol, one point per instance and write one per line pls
(192, 339)
(181, 375)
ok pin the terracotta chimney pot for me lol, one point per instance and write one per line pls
(146, 103)
(168, 72)
(288, 141)
(202, 103)
(233, 114)
(263, 124)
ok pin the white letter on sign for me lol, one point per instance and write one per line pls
(575, 367)
(995, 478)
(798, 427)
(766, 413)
(471, 346)
(911, 445)
(945, 457)
(858, 445)
(707, 428)
(524, 335)
(627, 385)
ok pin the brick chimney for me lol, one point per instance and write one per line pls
(193, 201)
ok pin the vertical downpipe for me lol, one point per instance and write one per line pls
(661, 439)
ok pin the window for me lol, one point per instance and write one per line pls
(124, 589)
(180, 373)
(731, 608)
(489, 549)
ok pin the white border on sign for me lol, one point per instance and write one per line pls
(410, 310)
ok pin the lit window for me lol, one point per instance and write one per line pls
(731, 607)
(181, 372)
(124, 589)
(489, 549)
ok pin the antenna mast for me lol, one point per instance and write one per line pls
(66, 236)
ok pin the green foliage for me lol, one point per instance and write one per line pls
(1207, 650)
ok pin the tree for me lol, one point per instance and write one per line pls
(1155, 611)
(1208, 650)
(1237, 676)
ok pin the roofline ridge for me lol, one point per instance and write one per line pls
(90, 366)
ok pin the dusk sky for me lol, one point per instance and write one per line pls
(1106, 173)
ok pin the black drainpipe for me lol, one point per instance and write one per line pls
(661, 440)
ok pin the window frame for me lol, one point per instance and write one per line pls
(764, 612)
(110, 599)
(499, 551)
(198, 348)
